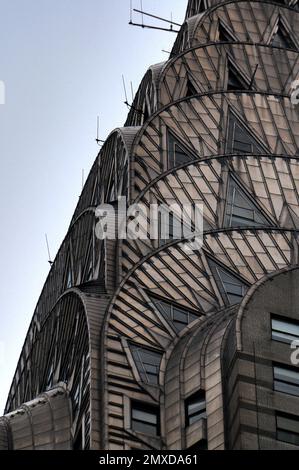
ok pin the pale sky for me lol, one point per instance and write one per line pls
(61, 62)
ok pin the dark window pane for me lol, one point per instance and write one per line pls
(286, 327)
(200, 445)
(145, 416)
(282, 38)
(195, 408)
(284, 331)
(289, 437)
(286, 380)
(197, 417)
(176, 154)
(241, 210)
(147, 362)
(224, 34)
(145, 419)
(191, 91)
(283, 337)
(288, 422)
(286, 375)
(284, 387)
(231, 288)
(234, 299)
(145, 428)
(164, 307)
(192, 317)
(287, 428)
(240, 140)
(179, 317)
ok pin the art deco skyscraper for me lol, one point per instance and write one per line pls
(139, 343)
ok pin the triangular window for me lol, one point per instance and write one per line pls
(241, 210)
(235, 80)
(224, 34)
(147, 362)
(240, 140)
(282, 38)
(231, 288)
(146, 114)
(178, 316)
(177, 155)
(191, 90)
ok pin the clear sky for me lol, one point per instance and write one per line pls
(61, 62)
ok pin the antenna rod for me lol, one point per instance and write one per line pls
(157, 17)
(170, 30)
(98, 127)
(132, 92)
(141, 8)
(48, 249)
(125, 90)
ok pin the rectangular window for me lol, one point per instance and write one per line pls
(287, 428)
(286, 379)
(284, 330)
(195, 408)
(145, 419)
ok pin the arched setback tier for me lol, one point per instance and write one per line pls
(64, 347)
(109, 176)
(41, 424)
(145, 102)
(220, 66)
(234, 17)
(266, 187)
(81, 258)
(217, 41)
(165, 295)
(211, 124)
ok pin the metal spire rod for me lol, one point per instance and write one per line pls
(50, 260)
(125, 90)
(141, 8)
(83, 178)
(98, 141)
(170, 30)
(157, 17)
